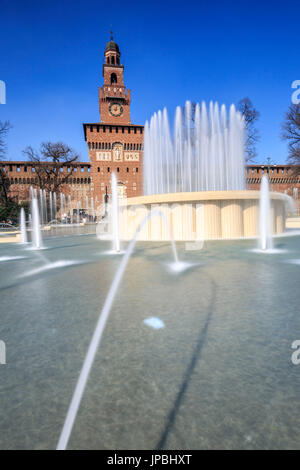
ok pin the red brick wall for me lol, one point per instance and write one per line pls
(86, 181)
(282, 178)
(22, 176)
(130, 172)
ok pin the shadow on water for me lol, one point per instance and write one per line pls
(188, 373)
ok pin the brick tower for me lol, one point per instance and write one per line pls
(114, 144)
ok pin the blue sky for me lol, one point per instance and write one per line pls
(52, 55)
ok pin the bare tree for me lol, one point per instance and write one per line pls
(251, 115)
(291, 133)
(4, 180)
(49, 161)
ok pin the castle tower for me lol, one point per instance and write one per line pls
(114, 100)
(114, 143)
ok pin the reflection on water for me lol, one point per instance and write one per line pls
(218, 375)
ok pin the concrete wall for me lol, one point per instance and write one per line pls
(195, 216)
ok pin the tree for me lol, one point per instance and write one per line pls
(4, 180)
(291, 133)
(251, 115)
(49, 161)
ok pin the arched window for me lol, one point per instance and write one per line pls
(107, 60)
(113, 78)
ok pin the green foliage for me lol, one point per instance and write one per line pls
(10, 211)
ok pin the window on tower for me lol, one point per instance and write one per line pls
(113, 78)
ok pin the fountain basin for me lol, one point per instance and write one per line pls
(204, 215)
(10, 237)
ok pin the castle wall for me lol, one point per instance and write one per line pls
(282, 179)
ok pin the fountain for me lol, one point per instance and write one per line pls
(70, 208)
(35, 225)
(23, 226)
(78, 212)
(87, 203)
(62, 207)
(205, 154)
(45, 206)
(51, 205)
(196, 177)
(41, 207)
(295, 194)
(54, 206)
(92, 208)
(98, 332)
(115, 213)
(265, 228)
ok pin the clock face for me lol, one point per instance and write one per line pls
(115, 109)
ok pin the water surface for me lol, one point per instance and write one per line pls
(217, 375)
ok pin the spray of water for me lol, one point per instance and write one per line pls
(23, 226)
(205, 153)
(96, 338)
(54, 206)
(51, 205)
(115, 213)
(265, 229)
(35, 225)
(41, 207)
(45, 206)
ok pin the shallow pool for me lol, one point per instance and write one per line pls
(217, 374)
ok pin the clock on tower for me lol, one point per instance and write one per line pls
(115, 109)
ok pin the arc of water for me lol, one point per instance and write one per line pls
(96, 338)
